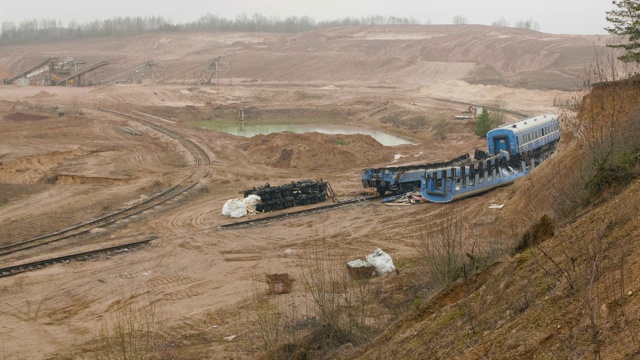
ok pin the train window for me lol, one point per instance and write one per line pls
(438, 184)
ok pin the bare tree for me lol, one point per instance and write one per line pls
(502, 22)
(460, 20)
(528, 24)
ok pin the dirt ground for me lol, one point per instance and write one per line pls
(57, 171)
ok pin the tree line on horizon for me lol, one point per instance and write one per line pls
(50, 30)
(47, 30)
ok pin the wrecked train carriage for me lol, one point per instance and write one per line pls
(303, 192)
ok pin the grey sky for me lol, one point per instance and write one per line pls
(553, 16)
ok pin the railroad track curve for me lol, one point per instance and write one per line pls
(201, 160)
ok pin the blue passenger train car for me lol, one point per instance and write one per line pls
(514, 150)
(524, 136)
(404, 178)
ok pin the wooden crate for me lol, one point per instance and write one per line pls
(280, 283)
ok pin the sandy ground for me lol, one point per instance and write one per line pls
(194, 269)
(56, 171)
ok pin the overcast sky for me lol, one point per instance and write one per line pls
(553, 16)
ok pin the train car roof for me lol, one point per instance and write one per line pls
(528, 123)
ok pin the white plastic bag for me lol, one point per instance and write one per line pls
(234, 208)
(225, 209)
(382, 262)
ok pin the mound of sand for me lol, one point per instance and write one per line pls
(42, 95)
(316, 151)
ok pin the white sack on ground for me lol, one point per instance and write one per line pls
(234, 208)
(225, 208)
(381, 261)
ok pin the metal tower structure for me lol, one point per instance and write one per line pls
(213, 71)
(148, 69)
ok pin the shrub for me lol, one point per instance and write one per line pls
(442, 248)
(131, 332)
(483, 125)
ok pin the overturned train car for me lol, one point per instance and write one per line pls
(513, 151)
(402, 179)
(296, 193)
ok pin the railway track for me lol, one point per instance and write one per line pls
(201, 158)
(315, 210)
(34, 265)
(512, 112)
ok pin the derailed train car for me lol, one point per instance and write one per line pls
(514, 150)
(296, 193)
(401, 179)
(535, 134)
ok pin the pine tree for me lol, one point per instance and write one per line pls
(483, 125)
(626, 22)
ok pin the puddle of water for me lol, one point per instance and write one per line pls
(248, 129)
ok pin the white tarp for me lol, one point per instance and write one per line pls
(234, 208)
(237, 208)
(382, 262)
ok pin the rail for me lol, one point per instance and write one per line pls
(187, 183)
(314, 210)
(17, 269)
